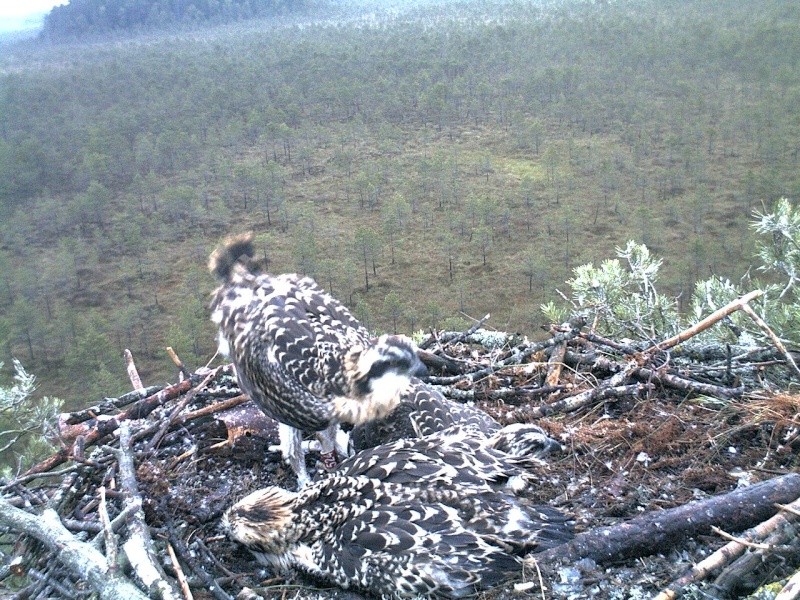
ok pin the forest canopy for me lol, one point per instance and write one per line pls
(80, 18)
(427, 167)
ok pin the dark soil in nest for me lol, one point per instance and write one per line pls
(620, 459)
(649, 449)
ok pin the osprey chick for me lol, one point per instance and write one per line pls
(424, 411)
(458, 455)
(301, 355)
(432, 540)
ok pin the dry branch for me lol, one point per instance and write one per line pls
(139, 546)
(82, 559)
(725, 555)
(555, 363)
(452, 337)
(775, 339)
(95, 429)
(710, 320)
(687, 385)
(657, 531)
(107, 406)
(133, 373)
(791, 591)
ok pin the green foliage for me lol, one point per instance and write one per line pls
(393, 308)
(24, 423)
(622, 300)
(778, 249)
(478, 159)
(80, 18)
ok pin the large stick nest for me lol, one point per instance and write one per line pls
(644, 430)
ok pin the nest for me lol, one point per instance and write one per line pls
(654, 437)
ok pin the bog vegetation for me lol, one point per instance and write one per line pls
(427, 166)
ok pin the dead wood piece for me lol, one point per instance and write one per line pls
(138, 547)
(611, 388)
(613, 344)
(183, 372)
(82, 559)
(729, 552)
(440, 363)
(133, 373)
(555, 363)
(211, 409)
(791, 591)
(185, 555)
(775, 534)
(659, 531)
(452, 337)
(47, 585)
(108, 405)
(665, 378)
(775, 339)
(573, 403)
(174, 415)
(516, 357)
(184, 583)
(710, 320)
(117, 522)
(109, 538)
(95, 429)
(687, 385)
(766, 552)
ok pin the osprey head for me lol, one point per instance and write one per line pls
(378, 375)
(261, 521)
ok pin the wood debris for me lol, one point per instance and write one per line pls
(662, 443)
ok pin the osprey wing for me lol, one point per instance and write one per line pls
(410, 551)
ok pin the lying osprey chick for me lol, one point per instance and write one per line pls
(423, 411)
(442, 540)
(301, 355)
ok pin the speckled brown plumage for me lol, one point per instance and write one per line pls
(424, 411)
(300, 354)
(439, 538)
(459, 455)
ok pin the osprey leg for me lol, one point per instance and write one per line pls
(292, 451)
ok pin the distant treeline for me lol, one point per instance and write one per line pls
(80, 18)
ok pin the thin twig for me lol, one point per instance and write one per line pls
(732, 538)
(187, 592)
(108, 533)
(775, 339)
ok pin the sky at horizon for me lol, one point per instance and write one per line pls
(19, 15)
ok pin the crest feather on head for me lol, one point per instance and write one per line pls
(231, 251)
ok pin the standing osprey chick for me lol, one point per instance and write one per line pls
(301, 355)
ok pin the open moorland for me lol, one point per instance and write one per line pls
(428, 166)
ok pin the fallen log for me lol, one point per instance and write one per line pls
(658, 531)
(728, 553)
